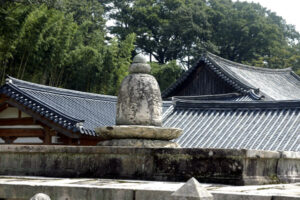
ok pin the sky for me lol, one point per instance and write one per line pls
(287, 9)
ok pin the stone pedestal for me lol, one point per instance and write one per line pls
(139, 143)
(139, 112)
(138, 132)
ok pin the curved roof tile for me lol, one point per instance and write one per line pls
(259, 125)
(273, 84)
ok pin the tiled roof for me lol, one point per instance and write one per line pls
(220, 97)
(256, 125)
(273, 84)
(213, 121)
(74, 110)
(77, 111)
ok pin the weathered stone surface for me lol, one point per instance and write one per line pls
(225, 166)
(138, 132)
(140, 68)
(139, 65)
(192, 190)
(139, 101)
(139, 98)
(23, 187)
(40, 196)
(139, 143)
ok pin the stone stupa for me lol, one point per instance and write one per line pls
(139, 112)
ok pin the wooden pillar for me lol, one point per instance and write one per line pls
(47, 135)
(70, 141)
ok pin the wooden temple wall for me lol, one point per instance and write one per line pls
(17, 127)
(203, 82)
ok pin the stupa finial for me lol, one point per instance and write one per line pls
(139, 65)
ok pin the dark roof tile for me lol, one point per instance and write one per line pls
(273, 84)
(237, 125)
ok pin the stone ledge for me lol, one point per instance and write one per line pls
(107, 189)
(138, 132)
(202, 152)
(239, 167)
(139, 143)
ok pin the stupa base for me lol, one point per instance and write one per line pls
(146, 143)
(138, 132)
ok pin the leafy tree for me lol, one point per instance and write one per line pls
(116, 62)
(10, 18)
(166, 74)
(166, 29)
(181, 30)
(248, 33)
(62, 45)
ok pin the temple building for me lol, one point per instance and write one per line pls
(215, 75)
(52, 115)
(217, 103)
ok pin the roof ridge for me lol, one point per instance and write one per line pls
(209, 95)
(223, 73)
(56, 90)
(296, 76)
(220, 97)
(244, 66)
(236, 104)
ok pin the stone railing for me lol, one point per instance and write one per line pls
(237, 167)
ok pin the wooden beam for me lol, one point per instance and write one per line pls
(3, 107)
(52, 132)
(21, 133)
(3, 99)
(16, 121)
(44, 120)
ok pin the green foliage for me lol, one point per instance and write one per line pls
(181, 30)
(116, 63)
(65, 43)
(62, 43)
(167, 30)
(246, 32)
(166, 74)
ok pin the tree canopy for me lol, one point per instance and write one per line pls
(62, 45)
(68, 43)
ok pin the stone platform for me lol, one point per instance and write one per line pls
(22, 188)
(223, 166)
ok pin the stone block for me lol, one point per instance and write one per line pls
(40, 196)
(139, 143)
(192, 190)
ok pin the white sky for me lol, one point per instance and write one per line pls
(287, 9)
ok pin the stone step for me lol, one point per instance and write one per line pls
(24, 187)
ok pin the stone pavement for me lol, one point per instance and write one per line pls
(21, 187)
